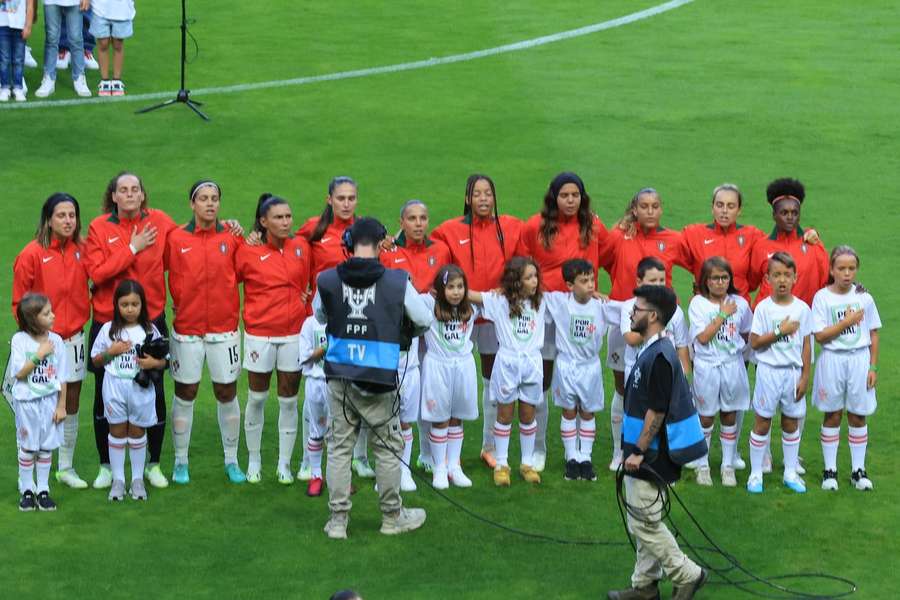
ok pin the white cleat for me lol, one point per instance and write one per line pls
(458, 478)
(538, 461)
(738, 463)
(704, 477)
(615, 462)
(829, 480)
(407, 483)
(71, 479)
(728, 478)
(439, 479)
(861, 481)
(104, 478)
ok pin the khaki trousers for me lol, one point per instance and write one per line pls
(657, 550)
(349, 406)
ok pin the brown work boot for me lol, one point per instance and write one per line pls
(686, 592)
(648, 592)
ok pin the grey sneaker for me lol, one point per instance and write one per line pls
(117, 491)
(405, 519)
(336, 527)
(138, 490)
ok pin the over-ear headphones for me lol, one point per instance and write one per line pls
(366, 223)
(347, 239)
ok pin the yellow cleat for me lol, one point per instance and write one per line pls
(529, 474)
(501, 476)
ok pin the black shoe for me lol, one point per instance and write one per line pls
(587, 471)
(27, 503)
(572, 471)
(687, 592)
(649, 592)
(45, 502)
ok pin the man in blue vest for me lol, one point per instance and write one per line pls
(371, 313)
(657, 385)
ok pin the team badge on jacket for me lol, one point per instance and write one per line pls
(740, 239)
(431, 261)
(661, 246)
(358, 299)
(223, 248)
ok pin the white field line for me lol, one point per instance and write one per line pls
(407, 66)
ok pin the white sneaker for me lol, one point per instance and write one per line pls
(4, 94)
(89, 61)
(538, 461)
(29, 58)
(62, 61)
(458, 478)
(81, 87)
(738, 463)
(71, 479)
(728, 478)
(19, 94)
(336, 527)
(104, 478)
(439, 479)
(704, 477)
(48, 86)
(615, 462)
(407, 484)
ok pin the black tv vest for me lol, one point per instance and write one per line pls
(681, 441)
(364, 328)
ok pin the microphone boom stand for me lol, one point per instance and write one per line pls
(184, 95)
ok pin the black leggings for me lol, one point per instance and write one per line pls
(155, 434)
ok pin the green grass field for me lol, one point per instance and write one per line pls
(717, 90)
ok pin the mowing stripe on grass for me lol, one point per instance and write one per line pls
(407, 66)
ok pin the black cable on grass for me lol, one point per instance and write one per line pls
(187, 24)
(664, 512)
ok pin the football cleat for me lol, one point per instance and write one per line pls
(861, 481)
(829, 480)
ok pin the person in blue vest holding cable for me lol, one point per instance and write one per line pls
(371, 315)
(660, 433)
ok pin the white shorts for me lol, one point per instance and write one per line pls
(776, 387)
(518, 377)
(615, 349)
(549, 351)
(315, 400)
(266, 354)
(840, 383)
(35, 429)
(449, 389)
(721, 388)
(485, 338)
(410, 394)
(221, 351)
(124, 401)
(578, 384)
(75, 351)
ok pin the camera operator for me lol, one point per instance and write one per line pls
(371, 314)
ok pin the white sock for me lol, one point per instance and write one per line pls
(304, 426)
(527, 433)
(254, 419)
(117, 456)
(541, 417)
(182, 422)
(26, 471)
(287, 429)
(314, 456)
(758, 445)
(587, 431)
(707, 436)
(67, 448)
(728, 439)
(455, 437)
(568, 431)
(137, 455)
(424, 442)
(229, 414)
(361, 449)
(831, 439)
(489, 408)
(439, 438)
(790, 446)
(44, 462)
(859, 439)
(501, 443)
(616, 413)
(408, 437)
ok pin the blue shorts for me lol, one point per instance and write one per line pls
(104, 28)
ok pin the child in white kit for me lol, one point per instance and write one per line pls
(846, 324)
(518, 316)
(15, 27)
(38, 363)
(313, 341)
(128, 407)
(449, 383)
(577, 385)
(720, 325)
(111, 23)
(780, 335)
